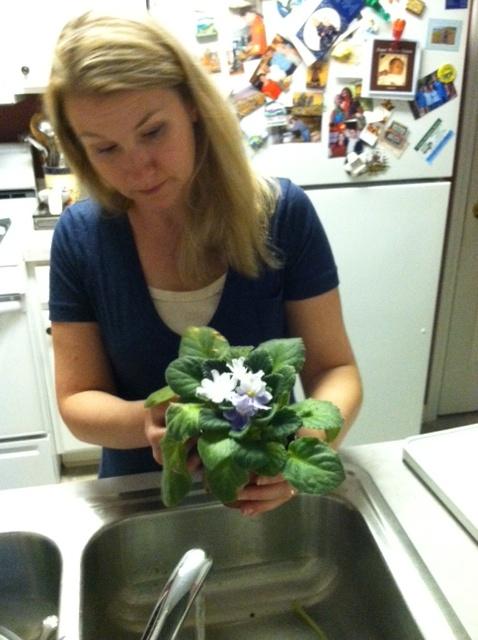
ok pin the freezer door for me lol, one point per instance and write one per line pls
(388, 242)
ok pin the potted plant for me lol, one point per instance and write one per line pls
(236, 402)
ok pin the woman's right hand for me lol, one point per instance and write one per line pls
(155, 430)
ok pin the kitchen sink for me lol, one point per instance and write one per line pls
(317, 553)
(98, 554)
(30, 574)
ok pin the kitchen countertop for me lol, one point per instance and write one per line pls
(449, 552)
(37, 246)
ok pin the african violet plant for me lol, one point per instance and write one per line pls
(236, 402)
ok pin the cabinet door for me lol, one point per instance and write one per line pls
(72, 450)
(27, 463)
(33, 28)
(30, 31)
(22, 409)
(387, 242)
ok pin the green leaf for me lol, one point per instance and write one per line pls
(277, 458)
(223, 475)
(208, 366)
(281, 383)
(183, 420)
(249, 432)
(312, 466)
(239, 352)
(259, 360)
(176, 480)
(284, 423)
(209, 421)
(165, 394)
(184, 375)
(267, 458)
(203, 342)
(213, 448)
(319, 414)
(225, 480)
(290, 351)
(250, 455)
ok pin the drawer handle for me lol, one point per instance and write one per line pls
(10, 297)
(10, 303)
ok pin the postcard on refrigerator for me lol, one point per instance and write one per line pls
(444, 35)
(431, 93)
(434, 141)
(301, 122)
(314, 26)
(273, 74)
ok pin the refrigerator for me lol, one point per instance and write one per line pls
(359, 103)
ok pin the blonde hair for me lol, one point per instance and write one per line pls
(229, 204)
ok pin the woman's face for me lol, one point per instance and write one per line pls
(140, 142)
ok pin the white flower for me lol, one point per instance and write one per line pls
(252, 385)
(237, 368)
(219, 388)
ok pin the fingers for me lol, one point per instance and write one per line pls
(194, 462)
(266, 494)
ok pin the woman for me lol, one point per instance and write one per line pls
(178, 231)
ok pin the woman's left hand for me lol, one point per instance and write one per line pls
(264, 493)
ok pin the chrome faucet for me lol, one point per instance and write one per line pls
(178, 594)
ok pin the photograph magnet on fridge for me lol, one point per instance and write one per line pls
(392, 69)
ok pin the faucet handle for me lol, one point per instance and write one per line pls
(177, 596)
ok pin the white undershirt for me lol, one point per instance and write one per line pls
(182, 309)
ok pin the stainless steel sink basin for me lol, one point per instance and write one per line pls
(98, 554)
(321, 553)
(30, 573)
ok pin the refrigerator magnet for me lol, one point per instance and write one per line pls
(432, 93)
(393, 69)
(444, 35)
(371, 133)
(317, 75)
(209, 60)
(284, 7)
(274, 71)
(456, 4)
(395, 138)
(247, 100)
(249, 41)
(417, 7)
(206, 30)
(314, 27)
(434, 141)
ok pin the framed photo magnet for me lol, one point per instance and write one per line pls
(392, 69)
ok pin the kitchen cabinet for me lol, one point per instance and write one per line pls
(71, 450)
(28, 33)
(27, 449)
(27, 444)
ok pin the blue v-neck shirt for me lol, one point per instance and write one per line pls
(96, 276)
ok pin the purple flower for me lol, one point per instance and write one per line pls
(244, 389)
(245, 407)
